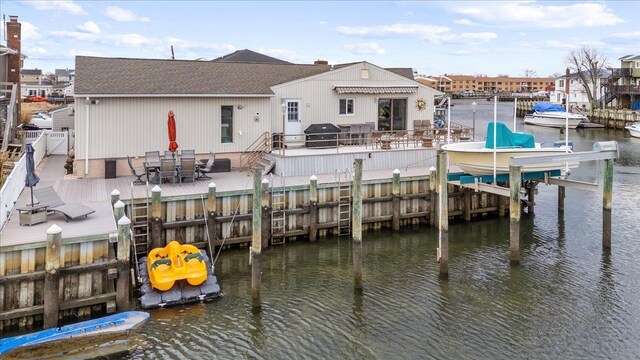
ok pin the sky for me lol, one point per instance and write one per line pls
(432, 37)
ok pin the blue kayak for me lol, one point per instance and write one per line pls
(111, 324)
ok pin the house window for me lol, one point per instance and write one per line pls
(346, 106)
(637, 64)
(560, 83)
(226, 124)
(364, 73)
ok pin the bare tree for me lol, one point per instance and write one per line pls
(556, 74)
(528, 73)
(588, 64)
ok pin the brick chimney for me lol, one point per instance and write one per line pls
(321, 62)
(14, 61)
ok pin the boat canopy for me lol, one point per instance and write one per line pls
(543, 106)
(507, 139)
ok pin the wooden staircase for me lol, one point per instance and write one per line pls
(253, 156)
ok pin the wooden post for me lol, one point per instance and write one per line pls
(266, 214)
(123, 284)
(607, 201)
(156, 219)
(115, 196)
(515, 180)
(356, 231)
(256, 241)
(432, 196)
(561, 198)
(395, 197)
(52, 277)
(467, 204)
(211, 216)
(443, 216)
(501, 205)
(531, 197)
(118, 210)
(313, 208)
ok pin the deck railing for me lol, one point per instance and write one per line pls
(252, 155)
(14, 183)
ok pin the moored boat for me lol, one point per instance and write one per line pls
(175, 262)
(476, 158)
(117, 323)
(634, 129)
(553, 115)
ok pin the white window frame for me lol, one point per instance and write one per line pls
(637, 64)
(346, 107)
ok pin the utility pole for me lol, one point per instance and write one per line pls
(173, 55)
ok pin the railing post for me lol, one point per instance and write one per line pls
(52, 277)
(118, 210)
(211, 216)
(395, 200)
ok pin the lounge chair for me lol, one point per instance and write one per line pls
(208, 167)
(49, 197)
(139, 180)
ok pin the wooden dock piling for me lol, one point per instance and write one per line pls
(561, 196)
(531, 198)
(115, 196)
(256, 241)
(313, 208)
(156, 219)
(395, 198)
(123, 284)
(607, 199)
(515, 179)
(432, 195)
(443, 213)
(467, 204)
(52, 277)
(356, 222)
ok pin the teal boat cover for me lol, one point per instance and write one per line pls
(507, 139)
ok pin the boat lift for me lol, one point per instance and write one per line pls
(606, 150)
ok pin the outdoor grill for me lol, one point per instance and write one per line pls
(321, 135)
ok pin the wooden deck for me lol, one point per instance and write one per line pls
(96, 193)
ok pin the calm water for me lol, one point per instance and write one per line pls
(567, 299)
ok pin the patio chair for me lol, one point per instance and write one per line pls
(374, 139)
(417, 137)
(152, 156)
(49, 197)
(138, 180)
(168, 154)
(168, 170)
(188, 154)
(400, 137)
(188, 169)
(208, 167)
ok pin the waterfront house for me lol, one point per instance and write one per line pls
(622, 88)
(64, 76)
(224, 106)
(577, 91)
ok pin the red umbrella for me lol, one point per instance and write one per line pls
(171, 125)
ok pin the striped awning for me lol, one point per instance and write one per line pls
(408, 89)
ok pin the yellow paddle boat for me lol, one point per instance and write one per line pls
(176, 262)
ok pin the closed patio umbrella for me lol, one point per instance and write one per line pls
(171, 125)
(31, 179)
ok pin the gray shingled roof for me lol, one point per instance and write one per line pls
(406, 72)
(247, 55)
(112, 76)
(31, 71)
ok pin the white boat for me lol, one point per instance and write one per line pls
(634, 129)
(555, 119)
(476, 158)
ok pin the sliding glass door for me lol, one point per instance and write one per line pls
(392, 114)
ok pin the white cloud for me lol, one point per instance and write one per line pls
(75, 35)
(571, 44)
(466, 38)
(89, 27)
(283, 54)
(368, 48)
(35, 51)
(631, 37)
(123, 15)
(181, 44)
(65, 5)
(464, 22)
(546, 15)
(395, 29)
(29, 32)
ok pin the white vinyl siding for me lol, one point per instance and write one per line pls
(346, 107)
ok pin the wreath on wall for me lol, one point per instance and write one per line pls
(421, 104)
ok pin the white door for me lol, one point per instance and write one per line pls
(293, 124)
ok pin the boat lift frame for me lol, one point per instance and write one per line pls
(606, 150)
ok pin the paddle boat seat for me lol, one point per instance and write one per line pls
(175, 262)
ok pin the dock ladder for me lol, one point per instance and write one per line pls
(139, 216)
(343, 179)
(278, 214)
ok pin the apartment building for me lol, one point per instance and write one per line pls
(469, 83)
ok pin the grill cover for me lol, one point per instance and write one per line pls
(321, 135)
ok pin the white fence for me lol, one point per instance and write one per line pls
(57, 142)
(14, 183)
